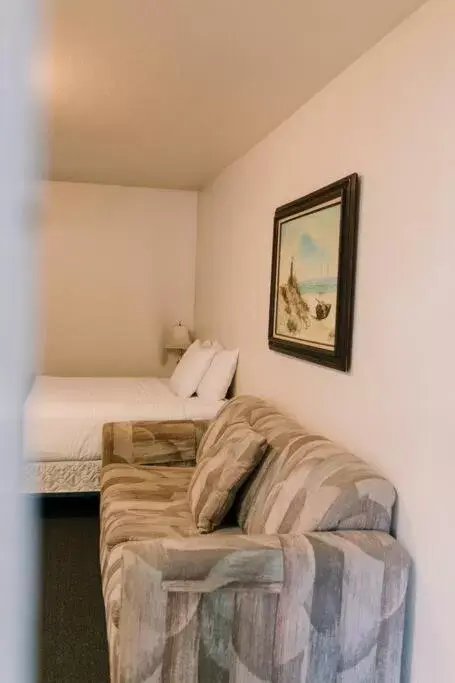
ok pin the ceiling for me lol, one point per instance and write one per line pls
(166, 93)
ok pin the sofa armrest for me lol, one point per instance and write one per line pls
(172, 442)
(271, 608)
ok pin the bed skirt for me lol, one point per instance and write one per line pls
(62, 477)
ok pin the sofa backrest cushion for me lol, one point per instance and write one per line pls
(222, 471)
(305, 482)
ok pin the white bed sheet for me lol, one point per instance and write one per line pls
(64, 416)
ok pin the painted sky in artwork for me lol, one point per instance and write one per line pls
(312, 240)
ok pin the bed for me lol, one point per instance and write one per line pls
(64, 418)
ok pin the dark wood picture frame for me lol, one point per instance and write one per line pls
(344, 193)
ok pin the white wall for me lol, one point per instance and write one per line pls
(117, 269)
(389, 117)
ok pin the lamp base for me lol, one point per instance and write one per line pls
(178, 353)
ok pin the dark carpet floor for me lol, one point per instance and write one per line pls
(72, 639)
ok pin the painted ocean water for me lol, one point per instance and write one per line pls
(322, 285)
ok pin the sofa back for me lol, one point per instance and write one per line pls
(305, 482)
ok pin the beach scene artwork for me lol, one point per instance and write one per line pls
(307, 278)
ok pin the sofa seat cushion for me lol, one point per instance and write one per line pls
(155, 519)
(172, 519)
(121, 482)
(138, 503)
(127, 517)
(144, 503)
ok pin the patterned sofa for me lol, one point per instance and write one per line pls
(308, 587)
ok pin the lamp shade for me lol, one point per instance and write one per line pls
(178, 338)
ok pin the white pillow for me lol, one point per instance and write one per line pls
(218, 378)
(191, 369)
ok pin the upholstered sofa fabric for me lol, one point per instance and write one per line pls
(172, 442)
(312, 608)
(220, 473)
(305, 482)
(311, 588)
(137, 503)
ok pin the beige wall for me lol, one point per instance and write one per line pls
(117, 268)
(389, 117)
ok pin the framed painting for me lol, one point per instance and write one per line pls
(313, 275)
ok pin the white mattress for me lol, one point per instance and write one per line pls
(64, 419)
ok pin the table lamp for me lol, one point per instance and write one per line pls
(178, 340)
